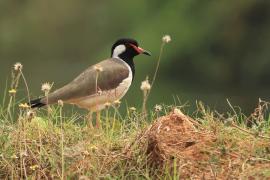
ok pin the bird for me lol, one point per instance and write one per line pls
(101, 83)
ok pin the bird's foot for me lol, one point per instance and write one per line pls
(89, 120)
(98, 125)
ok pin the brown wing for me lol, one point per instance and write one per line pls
(113, 73)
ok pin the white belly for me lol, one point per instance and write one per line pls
(97, 101)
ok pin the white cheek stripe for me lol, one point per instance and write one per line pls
(118, 50)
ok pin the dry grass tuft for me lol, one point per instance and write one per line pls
(172, 146)
(176, 145)
(175, 136)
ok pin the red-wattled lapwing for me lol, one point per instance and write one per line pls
(106, 81)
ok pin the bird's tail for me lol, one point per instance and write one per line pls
(36, 103)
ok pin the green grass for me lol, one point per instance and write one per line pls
(56, 146)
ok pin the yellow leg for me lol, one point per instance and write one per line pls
(98, 119)
(90, 119)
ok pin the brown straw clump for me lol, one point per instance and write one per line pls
(176, 141)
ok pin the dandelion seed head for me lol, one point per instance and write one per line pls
(145, 86)
(132, 109)
(14, 156)
(99, 92)
(229, 121)
(166, 38)
(46, 87)
(158, 108)
(107, 105)
(34, 167)
(24, 106)
(177, 111)
(60, 103)
(18, 66)
(117, 103)
(30, 114)
(12, 91)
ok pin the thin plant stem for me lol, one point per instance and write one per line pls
(47, 102)
(5, 93)
(24, 168)
(26, 86)
(14, 85)
(146, 94)
(96, 104)
(9, 106)
(155, 74)
(97, 82)
(21, 164)
(40, 144)
(62, 146)
(156, 70)
(107, 120)
(23, 154)
(89, 118)
(98, 120)
(157, 67)
(114, 119)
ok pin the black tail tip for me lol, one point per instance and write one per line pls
(36, 103)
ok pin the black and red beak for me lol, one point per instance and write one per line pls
(140, 50)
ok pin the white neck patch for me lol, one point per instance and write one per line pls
(118, 50)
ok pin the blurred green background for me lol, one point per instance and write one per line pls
(219, 49)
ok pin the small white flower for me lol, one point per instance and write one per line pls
(145, 86)
(30, 114)
(14, 156)
(34, 167)
(178, 112)
(18, 66)
(166, 38)
(46, 87)
(60, 103)
(158, 108)
(117, 103)
(132, 109)
(12, 91)
(98, 68)
(24, 154)
(107, 105)
(99, 92)
(24, 106)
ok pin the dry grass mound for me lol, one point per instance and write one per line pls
(179, 145)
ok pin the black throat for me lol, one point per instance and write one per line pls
(129, 60)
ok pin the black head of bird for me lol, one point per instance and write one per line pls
(127, 49)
